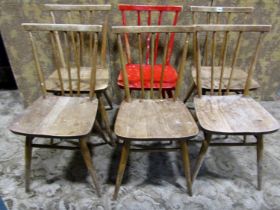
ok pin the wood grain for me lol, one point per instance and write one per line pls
(61, 27)
(54, 116)
(78, 7)
(233, 114)
(102, 79)
(237, 83)
(154, 119)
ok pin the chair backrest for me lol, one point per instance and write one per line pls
(156, 13)
(235, 35)
(68, 37)
(139, 32)
(83, 14)
(218, 15)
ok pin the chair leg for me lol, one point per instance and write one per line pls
(108, 100)
(105, 118)
(122, 165)
(186, 164)
(201, 156)
(259, 159)
(101, 131)
(87, 158)
(28, 156)
(190, 91)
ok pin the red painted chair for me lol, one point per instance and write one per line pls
(153, 12)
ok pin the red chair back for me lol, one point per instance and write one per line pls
(150, 10)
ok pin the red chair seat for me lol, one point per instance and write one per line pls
(133, 72)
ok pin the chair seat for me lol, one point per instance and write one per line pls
(233, 114)
(102, 79)
(57, 116)
(237, 83)
(154, 119)
(133, 73)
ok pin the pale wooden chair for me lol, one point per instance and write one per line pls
(84, 14)
(62, 117)
(231, 114)
(152, 118)
(218, 15)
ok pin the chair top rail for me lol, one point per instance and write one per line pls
(170, 8)
(153, 29)
(78, 7)
(221, 9)
(231, 27)
(61, 27)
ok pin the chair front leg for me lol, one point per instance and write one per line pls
(87, 158)
(28, 157)
(202, 153)
(190, 91)
(259, 159)
(186, 165)
(122, 165)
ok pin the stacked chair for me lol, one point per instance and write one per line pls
(71, 94)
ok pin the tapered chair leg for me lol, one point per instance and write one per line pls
(186, 165)
(105, 118)
(87, 158)
(190, 91)
(28, 156)
(108, 100)
(122, 165)
(201, 156)
(259, 159)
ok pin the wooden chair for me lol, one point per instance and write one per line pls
(231, 114)
(156, 15)
(66, 117)
(217, 15)
(83, 14)
(153, 118)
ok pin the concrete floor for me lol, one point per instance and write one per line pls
(227, 179)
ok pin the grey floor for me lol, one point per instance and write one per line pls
(227, 179)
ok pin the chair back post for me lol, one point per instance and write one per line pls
(140, 31)
(70, 41)
(160, 9)
(82, 9)
(228, 29)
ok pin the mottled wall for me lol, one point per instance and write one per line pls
(13, 13)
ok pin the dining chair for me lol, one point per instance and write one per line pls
(84, 14)
(150, 117)
(217, 15)
(150, 15)
(227, 113)
(63, 117)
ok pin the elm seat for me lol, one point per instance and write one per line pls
(237, 83)
(54, 116)
(154, 119)
(102, 79)
(133, 73)
(233, 114)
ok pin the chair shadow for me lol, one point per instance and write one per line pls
(160, 169)
(114, 164)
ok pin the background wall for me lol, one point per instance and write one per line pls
(15, 12)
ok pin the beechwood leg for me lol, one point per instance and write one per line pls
(87, 158)
(122, 166)
(28, 156)
(186, 165)
(202, 154)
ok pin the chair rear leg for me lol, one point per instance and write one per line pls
(28, 157)
(87, 158)
(202, 154)
(105, 118)
(108, 100)
(259, 159)
(186, 164)
(122, 165)
(190, 91)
